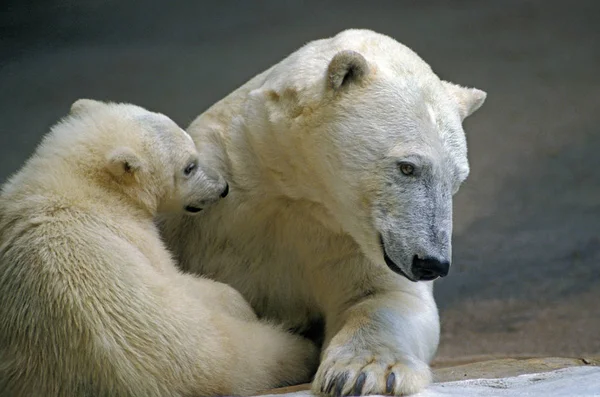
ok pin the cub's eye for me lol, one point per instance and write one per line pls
(406, 168)
(190, 168)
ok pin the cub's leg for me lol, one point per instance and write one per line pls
(250, 354)
(233, 352)
(220, 297)
(267, 357)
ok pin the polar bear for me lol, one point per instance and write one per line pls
(342, 159)
(92, 302)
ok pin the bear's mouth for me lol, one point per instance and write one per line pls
(192, 209)
(391, 264)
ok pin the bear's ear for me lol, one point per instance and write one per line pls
(123, 161)
(83, 105)
(346, 68)
(468, 99)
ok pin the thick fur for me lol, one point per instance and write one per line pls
(92, 303)
(315, 149)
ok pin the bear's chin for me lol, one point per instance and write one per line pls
(391, 264)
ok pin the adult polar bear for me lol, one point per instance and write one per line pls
(342, 160)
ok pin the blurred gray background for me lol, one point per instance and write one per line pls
(526, 273)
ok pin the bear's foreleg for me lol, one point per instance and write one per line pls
(381, 345)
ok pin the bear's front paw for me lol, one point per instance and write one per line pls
(365, 374)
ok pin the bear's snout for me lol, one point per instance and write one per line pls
(429, 268)
(225, 191)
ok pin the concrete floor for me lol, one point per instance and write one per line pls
(526, 278)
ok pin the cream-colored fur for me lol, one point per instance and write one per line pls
(325, 220)
(91, 301)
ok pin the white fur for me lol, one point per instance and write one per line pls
(311, 153)
(92, 303)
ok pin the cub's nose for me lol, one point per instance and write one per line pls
(429, 268)
(225, 191)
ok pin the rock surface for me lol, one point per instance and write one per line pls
(509, 367)
(493, 369)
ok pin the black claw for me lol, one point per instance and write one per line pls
(329, 386)
(389, 384)
(340, 382)
(360, 382)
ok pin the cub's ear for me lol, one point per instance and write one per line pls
(123, 161)
(467, 99)
(84, 105)
(346, 68)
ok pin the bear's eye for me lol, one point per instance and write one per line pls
(406, 168)
(190, 168)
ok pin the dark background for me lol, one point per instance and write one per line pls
(526, 274)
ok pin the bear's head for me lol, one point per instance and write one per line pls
(362, 126)
(144, 155)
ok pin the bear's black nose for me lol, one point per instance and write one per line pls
(226, 191)
(429, 268)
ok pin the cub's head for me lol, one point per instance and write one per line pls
(376, 138)
(146, 156)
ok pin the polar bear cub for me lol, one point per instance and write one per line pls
(92, 303)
